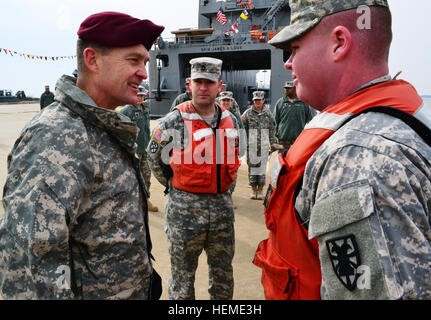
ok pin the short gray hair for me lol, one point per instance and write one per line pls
(81, 45)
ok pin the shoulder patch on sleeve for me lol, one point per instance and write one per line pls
(154, 146)
(345, 259)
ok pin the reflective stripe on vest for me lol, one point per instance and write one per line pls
(289, 261)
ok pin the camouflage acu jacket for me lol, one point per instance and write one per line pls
(75, 215)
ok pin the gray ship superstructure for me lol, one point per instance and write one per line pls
(240, 43)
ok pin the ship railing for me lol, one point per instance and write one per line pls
(250, 37)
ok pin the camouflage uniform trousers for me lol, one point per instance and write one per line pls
(185, 247)
(257, 171)
(256, 180)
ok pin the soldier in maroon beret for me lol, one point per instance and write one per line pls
(84, 232)
(112, 52)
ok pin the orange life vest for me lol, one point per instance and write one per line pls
(210, 161)
(289, 261)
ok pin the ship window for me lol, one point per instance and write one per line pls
(163, 60)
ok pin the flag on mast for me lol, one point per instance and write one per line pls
(221, 17)
(244, 14)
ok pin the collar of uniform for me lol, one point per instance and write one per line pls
(287, 99)
(79, 102)
(135, 108)
(264, 109)
(374, 82)
(214, 121)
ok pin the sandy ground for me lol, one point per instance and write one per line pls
(249, 219)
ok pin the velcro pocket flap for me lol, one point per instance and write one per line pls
(340, 207)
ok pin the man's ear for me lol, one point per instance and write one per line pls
(341, 43)
(91, 59)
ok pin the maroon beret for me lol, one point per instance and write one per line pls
(115, 29)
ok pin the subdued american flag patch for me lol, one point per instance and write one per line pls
(158, 135)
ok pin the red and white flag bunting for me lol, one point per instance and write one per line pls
(33, 57)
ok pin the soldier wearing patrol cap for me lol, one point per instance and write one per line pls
(226, 95)
(260, 128)
(227, 101)
(235, 106)
(193, 152)
(46, 98)
(290, 115)
(348, 205)
(139, 113)
(76, 219)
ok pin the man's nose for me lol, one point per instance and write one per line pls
(288, 64)
(142, 72)
(203, 86)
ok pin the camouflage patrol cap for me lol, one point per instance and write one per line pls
(226, 95)
(289, 84)
(305, 14)
(206, 68)
(258, 95)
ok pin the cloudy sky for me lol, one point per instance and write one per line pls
(48, 28)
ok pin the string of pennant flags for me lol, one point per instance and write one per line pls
(221, 16)
(28, 56)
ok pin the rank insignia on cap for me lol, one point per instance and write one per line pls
(206, 68)
(158, 135)
(345, 259)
